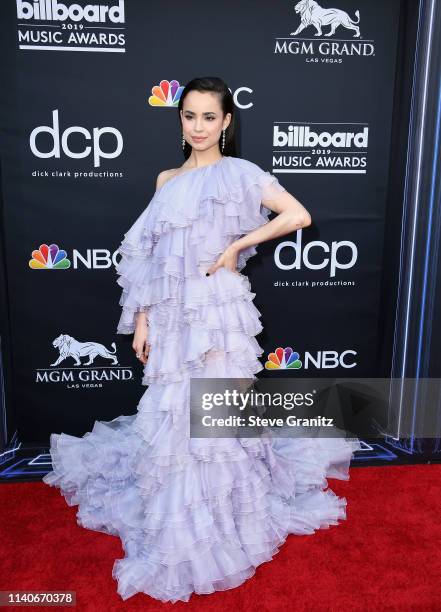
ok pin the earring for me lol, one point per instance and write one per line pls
(223, 140)
(183, 141)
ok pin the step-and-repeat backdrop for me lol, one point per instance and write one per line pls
(91, 120)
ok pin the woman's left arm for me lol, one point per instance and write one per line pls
(291, 216)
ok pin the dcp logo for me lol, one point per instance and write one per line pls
(332, 257)
(61, 144)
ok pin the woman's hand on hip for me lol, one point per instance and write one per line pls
(228, 260)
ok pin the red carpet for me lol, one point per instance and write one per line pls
(386, 556)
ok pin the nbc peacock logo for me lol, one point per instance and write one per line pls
(283, 359)
(49, 257)
(167, 93)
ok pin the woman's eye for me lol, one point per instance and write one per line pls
(209, 118)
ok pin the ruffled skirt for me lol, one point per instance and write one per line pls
(195, 515)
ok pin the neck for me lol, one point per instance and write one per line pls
(198, 159)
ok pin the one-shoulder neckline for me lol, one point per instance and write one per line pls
(216, 163)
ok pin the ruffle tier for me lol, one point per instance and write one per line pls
(194, 515)
(189, 222)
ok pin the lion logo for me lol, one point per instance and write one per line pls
(69, 347)
(313, 14)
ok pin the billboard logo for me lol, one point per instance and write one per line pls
(67, 26)
(303, 136)
(317, 147)
(53, 10)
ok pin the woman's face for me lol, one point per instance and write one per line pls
(202, 120)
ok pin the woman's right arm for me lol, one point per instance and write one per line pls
(140, 338)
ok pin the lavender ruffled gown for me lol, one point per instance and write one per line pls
(195, 515)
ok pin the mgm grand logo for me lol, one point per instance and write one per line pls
(82, 365)
(322, 23)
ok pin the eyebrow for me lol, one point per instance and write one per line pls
(206, 113)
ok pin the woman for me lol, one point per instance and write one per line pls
(197, 515)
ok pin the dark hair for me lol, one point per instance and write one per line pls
(218, 86)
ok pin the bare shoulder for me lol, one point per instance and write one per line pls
(164, 176)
